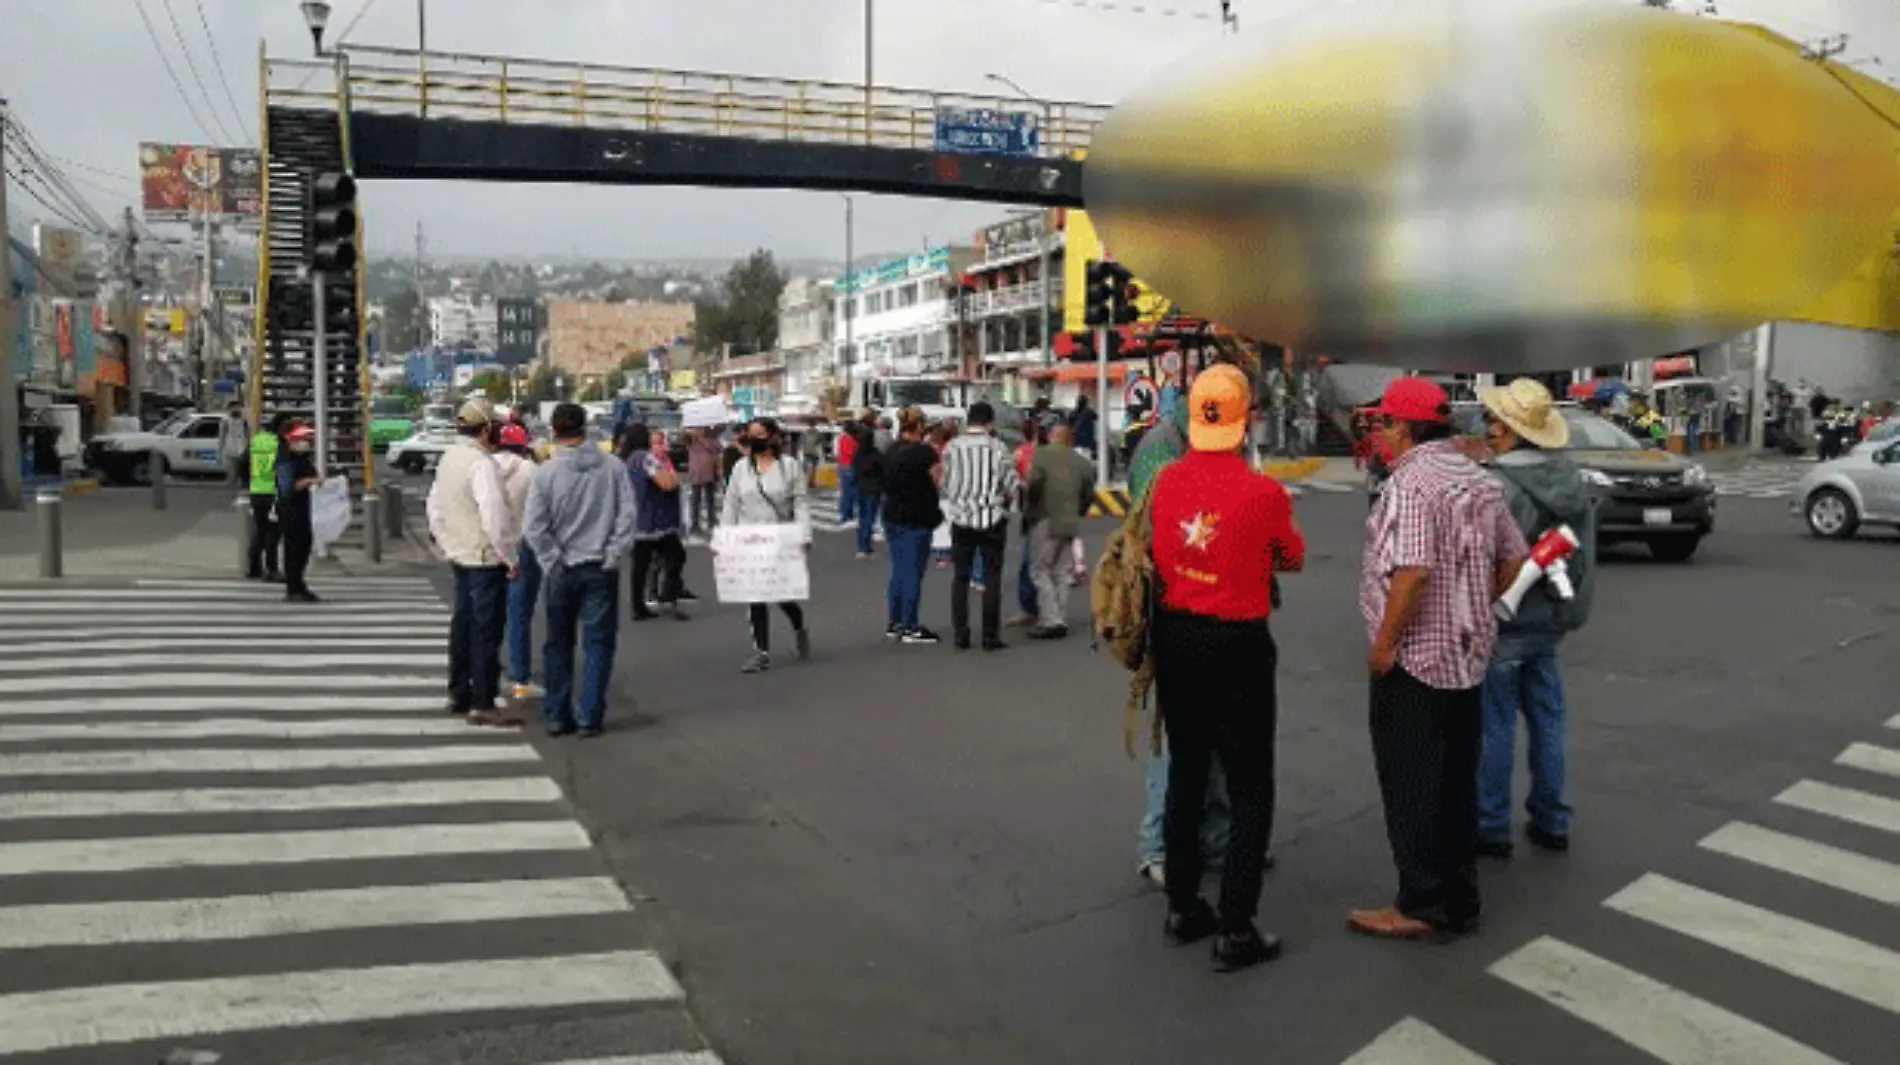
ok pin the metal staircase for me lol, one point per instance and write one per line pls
(299, 144)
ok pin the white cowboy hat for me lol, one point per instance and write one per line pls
(1525, 406)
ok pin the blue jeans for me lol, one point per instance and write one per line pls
(475, 636)
(583, 601)
(523, 591)
(1026, 595)
(867, 520)
(1523, 679)
(910, 557)
(1213, 827)
(847, 493)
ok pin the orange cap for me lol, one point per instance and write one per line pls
(1217, 409)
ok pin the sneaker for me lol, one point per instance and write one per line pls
(893, 633)
(1155, 872)
(1387, 923)
(977, 587)
(305, 596)
(526, 690)
(803, 639)
(273, 577)
(921, 635)
(688, 596)
(1500, 849)
(1235, 951)
(1196, 924)
(991, 643)
(1022, 621)
(758, 663)
(961, 643)
(1549, 841)
(591, 732)
(1049, 632)
(557, 731)
(492, 719)
(862, 555)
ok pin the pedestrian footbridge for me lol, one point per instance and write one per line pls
(440, 115)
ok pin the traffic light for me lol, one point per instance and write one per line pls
(1127, 295)
(1099, 295)
(333, 223)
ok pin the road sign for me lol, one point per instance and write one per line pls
(1140, 390)
(981, 131)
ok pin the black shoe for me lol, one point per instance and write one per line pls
(557, 731)
(254, 575)
(921, 635)
(687, 596)
(962, 643)
(591, 732)
(642, 614)
(801, 642)
(1244, 950)
(994, 644)
(1196, 924)
(893, 632)
(1049, 632)
(1500, 849)
(1549, 841)
(273, 577)
(304, 596)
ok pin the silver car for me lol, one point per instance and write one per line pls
(1862, 487)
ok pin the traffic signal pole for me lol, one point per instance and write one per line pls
(320, 369)
(1101, 404)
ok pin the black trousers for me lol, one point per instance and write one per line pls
(1425, 744)
(759, 618)
(264, 534)
(297, 543)
(964, 544)
(1216, 680)
(671, 555)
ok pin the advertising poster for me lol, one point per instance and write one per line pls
(179, 182)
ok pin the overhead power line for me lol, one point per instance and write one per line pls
(217, 61)
(351, 25)
(151, 32)
(192, 66)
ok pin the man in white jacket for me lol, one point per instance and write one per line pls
(479, 533)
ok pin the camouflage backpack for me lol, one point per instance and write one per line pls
(1119, 603)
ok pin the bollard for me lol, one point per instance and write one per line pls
(155, 465)
(247, 532)
(47, 503)
(393, 511)
(373, 527)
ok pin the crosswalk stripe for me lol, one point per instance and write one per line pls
(372, 795)
(121, 1013)
(28, 615)
(249, 728)
(671, 1057)
(91, 659)
(1413, 1042)
(404, 583)
(1668, 1024)
(261, 682)
(93, 924)
(190, 640)
(271, 760)
(1862, 808)
(1894, 721)
(251, 704)
(220, 849)
(192, 600)
(1883, 760)
(436, 628)
(1818, 955)
(1845, 870)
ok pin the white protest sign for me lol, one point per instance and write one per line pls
(760, 564)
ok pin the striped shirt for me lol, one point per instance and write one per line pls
(979, 480)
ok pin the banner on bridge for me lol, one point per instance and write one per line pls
(983, 131)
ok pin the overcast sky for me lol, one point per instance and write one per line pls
(87, 79)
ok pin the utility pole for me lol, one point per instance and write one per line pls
(848, 293)
(422, 297)
(869, 124)
(11, 497)
(134, 325)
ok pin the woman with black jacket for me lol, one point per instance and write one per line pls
(868, 466)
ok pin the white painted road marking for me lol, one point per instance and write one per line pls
(1856, 873)
(1818, 955)
(285, 848)
(122, 1013)
(1671, 1025)
(252, 704)
(1862, 808)
(1413, 1042)
(1884, 760)
(671, 1057)
(250, 728)
(39, 805)
(262, 760)
(186, 643)
(196, 600)
(90, 659)
(261, 682)
(32, 615)
(92, 924)
(436, 628)
(416, 583)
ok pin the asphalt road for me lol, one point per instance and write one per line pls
(896, 854)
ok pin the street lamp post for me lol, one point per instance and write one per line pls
(316, 15)
(1042, 234)
(846, 291)
(868, 122)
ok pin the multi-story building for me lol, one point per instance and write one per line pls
(1009, 305)
(805, 317)
(904, 317)
(588, 338)
(462, 322)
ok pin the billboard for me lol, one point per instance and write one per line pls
(178, 182)
(517, 330)
(983, 131)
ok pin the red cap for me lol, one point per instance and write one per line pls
(300, 431)
(1415, 399)
(515, 435)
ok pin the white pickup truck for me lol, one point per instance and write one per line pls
(188, 442)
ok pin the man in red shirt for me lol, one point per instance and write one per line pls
(847, 473)
(1437, 542)
(1221, 531)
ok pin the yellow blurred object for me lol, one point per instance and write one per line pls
(1497, 184)
(1079, 245)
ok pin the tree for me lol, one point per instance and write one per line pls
(540, 386)
(744, 310)
(495, 385)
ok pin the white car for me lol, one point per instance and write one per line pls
(1860, 488)
(420, 452)
(187, 442)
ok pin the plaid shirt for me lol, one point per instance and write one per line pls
(1443, 512)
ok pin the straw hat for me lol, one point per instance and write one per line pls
(1525, 406)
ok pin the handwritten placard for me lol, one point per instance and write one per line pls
(760, 564)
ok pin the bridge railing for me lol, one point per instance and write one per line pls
(551, 93)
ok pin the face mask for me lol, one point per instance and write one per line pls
(300, 448)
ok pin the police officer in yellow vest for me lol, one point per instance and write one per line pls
(264, 533)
